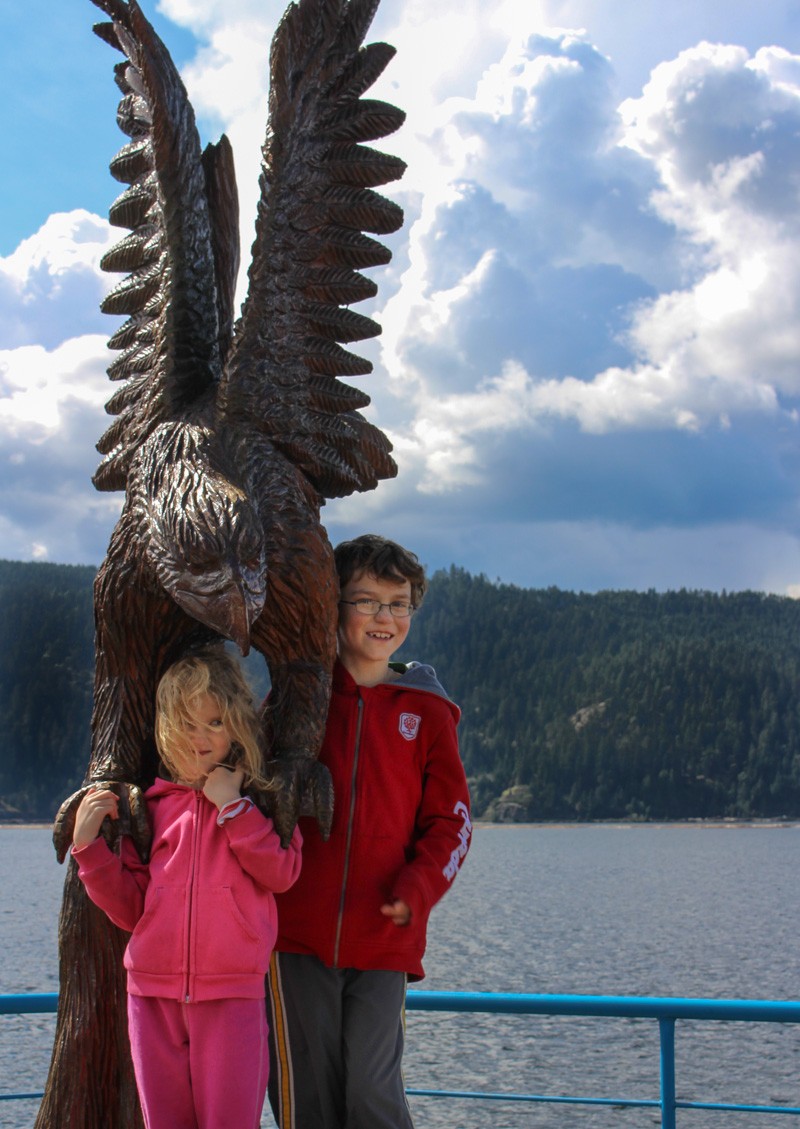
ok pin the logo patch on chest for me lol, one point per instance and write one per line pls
(409, 725)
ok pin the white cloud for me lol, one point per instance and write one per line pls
(51, 415)
(52, 393)
(720, 129)
(52, 281)
(68, 241)
(40, 387)
(531, 169)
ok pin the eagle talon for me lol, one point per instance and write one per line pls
(132, 819)
(300, 786)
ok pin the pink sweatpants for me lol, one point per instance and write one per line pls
(201, 1065)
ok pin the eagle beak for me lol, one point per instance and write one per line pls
(241, 615)
(231, 610)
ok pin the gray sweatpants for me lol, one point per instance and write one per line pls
(336, 1046)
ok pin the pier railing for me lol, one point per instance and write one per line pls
(665, 1011)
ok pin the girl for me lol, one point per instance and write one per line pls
(201, 913)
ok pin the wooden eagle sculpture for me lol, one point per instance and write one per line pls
(227, 440)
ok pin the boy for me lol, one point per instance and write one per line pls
(353, 928)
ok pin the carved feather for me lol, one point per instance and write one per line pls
(134, 160)
(363, 70)
(140, 249)
(333, 396)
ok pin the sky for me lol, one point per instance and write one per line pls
(590, 359)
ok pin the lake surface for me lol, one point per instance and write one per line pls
(595, 910)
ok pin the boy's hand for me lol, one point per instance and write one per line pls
(92, 810)
(223, 785)
(398, 911)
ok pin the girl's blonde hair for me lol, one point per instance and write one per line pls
(216, 673)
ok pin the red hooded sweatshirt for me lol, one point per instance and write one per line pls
(201, 912)
(401, 825)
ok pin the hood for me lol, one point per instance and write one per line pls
(163, 787)
(413, 676)
(418, 676)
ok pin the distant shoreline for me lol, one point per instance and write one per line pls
(554, 824)
(25, 825)
(723, 824)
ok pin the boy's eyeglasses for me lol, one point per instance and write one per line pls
(372, 607)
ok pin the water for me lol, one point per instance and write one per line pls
(30, 898)
(607, 910)
(613, 910)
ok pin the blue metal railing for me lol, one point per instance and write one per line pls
(666, 1010)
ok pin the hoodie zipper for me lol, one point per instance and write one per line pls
(349, 839)
(189, 920)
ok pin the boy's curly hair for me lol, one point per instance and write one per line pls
(383, 559)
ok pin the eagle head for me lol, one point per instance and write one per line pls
(204, 539)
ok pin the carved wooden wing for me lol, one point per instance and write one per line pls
(181, 256)
(317, 201)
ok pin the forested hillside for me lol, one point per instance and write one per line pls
(46, 678)
(607, 706)
(619, 704)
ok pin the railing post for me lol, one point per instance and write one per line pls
(666, 1029)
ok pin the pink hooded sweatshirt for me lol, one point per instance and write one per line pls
(202, 912)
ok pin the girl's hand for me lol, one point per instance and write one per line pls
(223, 784)
(92, 810)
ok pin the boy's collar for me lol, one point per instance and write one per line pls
(342, 678)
